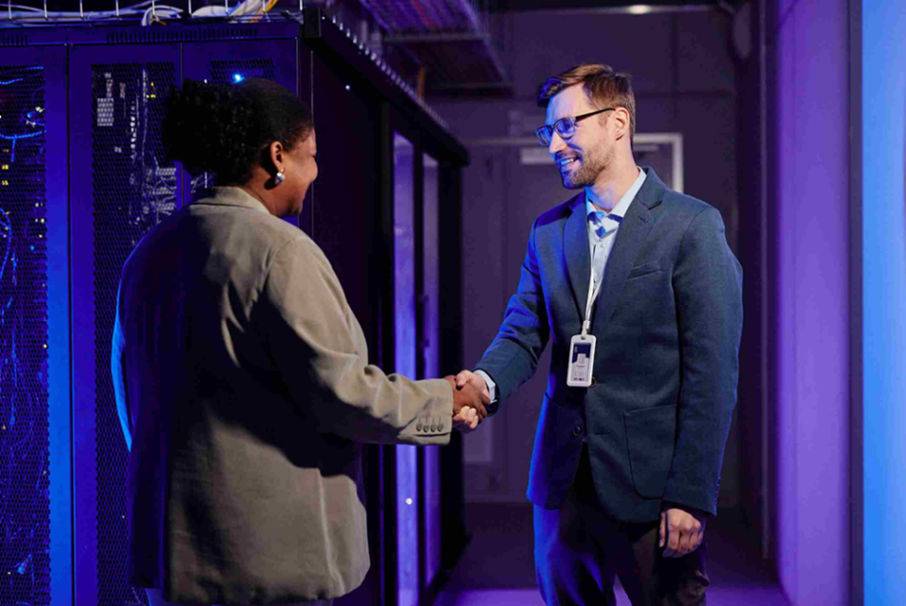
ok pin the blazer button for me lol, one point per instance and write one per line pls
(577, 431)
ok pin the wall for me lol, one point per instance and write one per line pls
(811, 245)
(684, 77)
(883, 154)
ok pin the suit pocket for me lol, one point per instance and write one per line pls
(644, 270)
(650, 438)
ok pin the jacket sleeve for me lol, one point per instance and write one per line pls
(319, 350)
(513, 355)
(708, 288)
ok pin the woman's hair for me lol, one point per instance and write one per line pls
(227, 128)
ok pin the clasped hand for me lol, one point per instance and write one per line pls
(470, 400)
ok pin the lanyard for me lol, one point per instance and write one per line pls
(595, 290)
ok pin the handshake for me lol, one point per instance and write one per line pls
(470, 400)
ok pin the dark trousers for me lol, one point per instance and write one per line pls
(579, 551)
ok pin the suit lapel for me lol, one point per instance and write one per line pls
(575, 253)
(631, 236)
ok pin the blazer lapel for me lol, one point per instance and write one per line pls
(575, 253)
(630, 237)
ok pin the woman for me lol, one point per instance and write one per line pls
(241, 374)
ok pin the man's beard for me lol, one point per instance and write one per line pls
(591, 166)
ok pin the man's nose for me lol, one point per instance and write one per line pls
(557, 143)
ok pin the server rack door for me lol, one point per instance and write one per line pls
(449, 244)
(121, 186)
(343, 214)
(35, 500)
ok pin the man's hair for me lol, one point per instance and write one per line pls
(603, 87)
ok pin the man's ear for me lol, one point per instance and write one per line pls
(623, 121)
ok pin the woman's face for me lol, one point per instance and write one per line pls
(300, 170)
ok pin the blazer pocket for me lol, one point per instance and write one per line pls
(650, 438)
(644, 270)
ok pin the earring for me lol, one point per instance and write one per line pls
(279, 177)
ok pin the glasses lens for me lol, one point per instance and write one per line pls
(544, 134)
(566, 127)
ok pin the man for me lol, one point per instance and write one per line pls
(639, 293)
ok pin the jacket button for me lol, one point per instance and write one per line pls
(577, 431)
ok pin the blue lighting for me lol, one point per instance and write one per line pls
(237, 77)
(406, 363)
(27, 504)
(883, 295)
(60, 404)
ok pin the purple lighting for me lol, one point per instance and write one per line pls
(812, 342)
(405, 340)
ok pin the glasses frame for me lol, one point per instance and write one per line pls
(565, 127)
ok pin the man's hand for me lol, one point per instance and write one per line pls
(469, 405)
(681, 532)
(467, 377)
(466, 420)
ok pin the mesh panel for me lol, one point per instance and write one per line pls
(24, 482)
(133, 191)
(234, 72)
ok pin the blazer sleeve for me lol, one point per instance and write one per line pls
(513, 355)
(708, 289)
(319, 350)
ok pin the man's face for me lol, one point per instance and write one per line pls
(581, 157)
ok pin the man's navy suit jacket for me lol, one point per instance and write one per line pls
(668, 322)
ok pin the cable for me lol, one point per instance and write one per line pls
(148, 10)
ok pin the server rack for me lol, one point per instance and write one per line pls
(106, 182)
(35, 440)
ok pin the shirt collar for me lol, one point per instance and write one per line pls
(623, 204)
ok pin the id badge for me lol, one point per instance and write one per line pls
(581, 360)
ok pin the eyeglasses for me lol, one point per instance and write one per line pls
(565, 127)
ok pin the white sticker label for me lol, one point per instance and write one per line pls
(581, 361)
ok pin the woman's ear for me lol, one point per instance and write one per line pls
(277, 151)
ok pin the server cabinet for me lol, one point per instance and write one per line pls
(120, 186)
(35, 508)
(83, 177)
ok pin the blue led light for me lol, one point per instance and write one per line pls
(237, 78)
